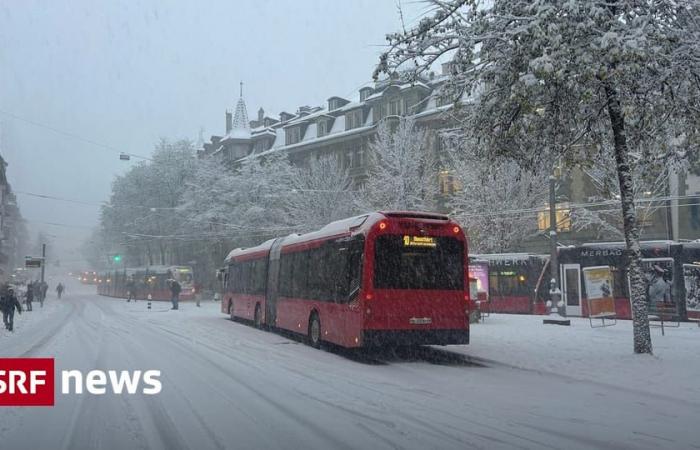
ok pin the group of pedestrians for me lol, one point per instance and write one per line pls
(36, 290)
(172, 284)
(9, 301)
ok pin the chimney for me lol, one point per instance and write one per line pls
(229, 122)
(261, 115)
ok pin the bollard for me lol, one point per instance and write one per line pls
(149, 301)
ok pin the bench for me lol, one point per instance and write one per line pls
(664, 313)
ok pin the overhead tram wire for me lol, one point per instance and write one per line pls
(264, 232)
(72, 135)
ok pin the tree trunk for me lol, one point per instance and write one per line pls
(640, 312)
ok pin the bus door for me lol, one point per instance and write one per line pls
(272, 288)
(571, 288)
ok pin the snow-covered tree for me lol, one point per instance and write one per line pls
(402, 174)
(142, 216)
(321, 193)
(565, 78)
(650, 182)
(496, 201)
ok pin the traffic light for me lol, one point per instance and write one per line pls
(117, 258)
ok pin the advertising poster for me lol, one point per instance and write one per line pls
(598, 282)
(658, 274)
(691, 277)
(480, 272)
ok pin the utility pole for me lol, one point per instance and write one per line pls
(554, 317)
(554, 264)
(43, 261)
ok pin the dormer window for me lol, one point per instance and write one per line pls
(336, 102)
(395, 107)
(322, 128)
(293, 135)
(353, 119)
(364, 93)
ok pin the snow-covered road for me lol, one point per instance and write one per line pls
(228, 385)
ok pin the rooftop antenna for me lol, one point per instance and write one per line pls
(241, 89)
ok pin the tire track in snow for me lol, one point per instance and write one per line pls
(168, 433)
(51, 333)
(278, 406)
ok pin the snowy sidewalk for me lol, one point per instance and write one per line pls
(602, 355)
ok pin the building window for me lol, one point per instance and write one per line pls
(348, 159)
(442, 100)
(353, 119)
(360, 160)
(322, 128)
(563, 215)
(395, 107)
(293, 135)
(448, 183)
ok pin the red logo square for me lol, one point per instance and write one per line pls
(26, 382)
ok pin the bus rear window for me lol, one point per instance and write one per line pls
(409, 262)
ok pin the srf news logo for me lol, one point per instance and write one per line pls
(26, 382)
(30, 382)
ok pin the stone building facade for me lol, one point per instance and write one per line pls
(344, 128)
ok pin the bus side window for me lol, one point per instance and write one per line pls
(300, 277)
(285, 276)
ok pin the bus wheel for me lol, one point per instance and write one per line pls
(257, 317)
(314, 331)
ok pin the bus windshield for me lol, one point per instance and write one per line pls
(183, 276)
(418, 262)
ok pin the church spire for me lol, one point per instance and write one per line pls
(241, 125)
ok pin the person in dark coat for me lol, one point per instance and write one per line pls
(175, 289)
(59, 289)
(29, 296)
(36, 287)
(130, 290)
(44, 289)
(8, 304)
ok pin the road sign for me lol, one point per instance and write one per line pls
(32, 263)
(124, 157)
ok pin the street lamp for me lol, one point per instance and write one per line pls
(554, 303)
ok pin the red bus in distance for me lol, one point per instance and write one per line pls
(386, 278)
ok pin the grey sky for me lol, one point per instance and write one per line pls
(126, 73)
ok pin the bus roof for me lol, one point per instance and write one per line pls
(351, 225)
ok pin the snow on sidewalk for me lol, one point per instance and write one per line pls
(602, 355)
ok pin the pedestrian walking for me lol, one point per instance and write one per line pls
(8, 304)
(197, 288)
(130, 290)
(175, 289)
(29, 296)
(44, 290)
(36, 287)
(59, 290)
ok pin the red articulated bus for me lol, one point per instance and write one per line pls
(386, 278)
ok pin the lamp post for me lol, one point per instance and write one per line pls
(554, 303)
